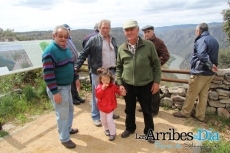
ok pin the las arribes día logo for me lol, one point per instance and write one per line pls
(200, 134)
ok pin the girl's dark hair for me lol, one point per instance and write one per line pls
(104, 72)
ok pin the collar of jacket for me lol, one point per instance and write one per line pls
(140, 43)
(152, 38)
(102, 37)
(205, 33)
(58, 46)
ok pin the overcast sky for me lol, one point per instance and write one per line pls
(29, 15)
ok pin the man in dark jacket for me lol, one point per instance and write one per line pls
(163, 55)
(203, 68)
(76, 97)
(102, 49)
(96, 31)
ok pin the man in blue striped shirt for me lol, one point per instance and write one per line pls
(58, 73)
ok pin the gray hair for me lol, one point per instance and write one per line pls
(60, 27)
(202, 27)
(95, 26)
(104, 21)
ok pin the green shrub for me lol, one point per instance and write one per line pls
(41, 91)
(29, 93)
(8, 109)
(43, 45)
(3, 133)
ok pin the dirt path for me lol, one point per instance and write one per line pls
(41, 134)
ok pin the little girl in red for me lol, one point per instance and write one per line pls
(106, 94)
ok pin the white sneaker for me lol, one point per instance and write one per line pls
(97, 123)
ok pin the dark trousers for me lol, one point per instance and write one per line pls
(144, 95)
(155, 102)
(74, 91)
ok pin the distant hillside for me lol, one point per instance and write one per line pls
(179, 39)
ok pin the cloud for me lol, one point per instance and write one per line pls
(181, 5)
(38, 4)
(29, 15)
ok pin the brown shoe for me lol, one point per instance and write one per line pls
(178, 114)
(73, 131)
(126, 134)
(193, 116)
(69, 144)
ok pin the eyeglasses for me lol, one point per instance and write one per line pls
(61, 37)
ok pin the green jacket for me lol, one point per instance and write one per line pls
(140, 68)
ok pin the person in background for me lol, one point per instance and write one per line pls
(58, 74)
(203, 68)
(76, 97)
(106, 94)
(102, 49)
(96, 31)
(163, 55)
(135, 58)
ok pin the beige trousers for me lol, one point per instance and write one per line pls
(198, 88)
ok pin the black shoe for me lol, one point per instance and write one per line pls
(76, 102)
(126, 134)
(115, 116)
(80, 99)
(69, 144)
(154, 114)
(151, 140)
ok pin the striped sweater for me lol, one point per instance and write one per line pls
(58, 67)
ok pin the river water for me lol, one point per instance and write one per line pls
(175, 65)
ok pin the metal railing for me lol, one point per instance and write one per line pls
(174, 79)
(163, 78)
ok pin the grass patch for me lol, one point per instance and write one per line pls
(3, 133)
(215, 147)
(30, 99)
(218, 123)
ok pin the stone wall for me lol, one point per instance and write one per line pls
(218, 95)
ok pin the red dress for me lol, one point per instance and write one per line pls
(107, 101)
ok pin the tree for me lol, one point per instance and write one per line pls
(226, 18)
(7, 35)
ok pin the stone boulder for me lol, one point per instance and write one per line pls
(227, 76)
(223, 112)
(210, 110)
(216, 104)
(166, 101)
(225, 101)
(177, 90)
(213, 95)
(222, 92)
(178, 98)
